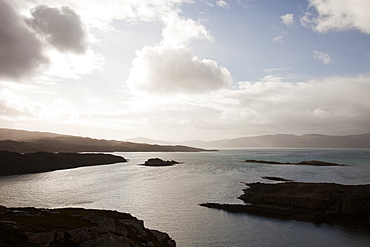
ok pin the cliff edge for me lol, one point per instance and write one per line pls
(76, 227)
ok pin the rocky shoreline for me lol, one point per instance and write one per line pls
(12, 163)
(76, 227)
(345, 205)
(302, 163)
(276, 179)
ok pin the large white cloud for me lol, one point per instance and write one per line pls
(326, 15)
(169, 69)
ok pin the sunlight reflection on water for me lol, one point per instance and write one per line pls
(167, 198)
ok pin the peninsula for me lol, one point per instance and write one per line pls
(12, 163)
(345, 205)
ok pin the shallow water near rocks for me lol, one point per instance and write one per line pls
(167, 198)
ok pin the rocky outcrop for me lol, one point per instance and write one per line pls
(160, 162)
(76, 227)
(321, 197)
(347, 205)
(16, 163)
(276, 179)
(302, 163)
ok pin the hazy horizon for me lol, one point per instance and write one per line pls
(142, 139)
(179, 70)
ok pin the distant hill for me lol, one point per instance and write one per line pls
(289, 141)
(32, 141)
(22, 141)
(150, 141)
(24, 135)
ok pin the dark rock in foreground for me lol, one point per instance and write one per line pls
(346, 205)
(304, 163)
(160, 162)
(15, 163)
(75, 227)
(321, 197)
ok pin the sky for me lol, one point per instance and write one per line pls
(184, 69)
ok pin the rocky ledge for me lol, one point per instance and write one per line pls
(302, 163)
(160, 162)
(276, 179)
(75, 227)
(12, 163)
(346, 205)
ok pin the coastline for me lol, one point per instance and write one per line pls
(76, 227)
(344, 205)
(12, 163)
(122, 183)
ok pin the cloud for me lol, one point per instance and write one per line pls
(176, 30)
(279, 39)
(324, 16)
(62, 27)
(56, 30)
(270, 70)
(44, 41)
(71, 65)
(246, 4)
(181, 31)
(333, 105)
(101, 15)
(223, 4)
(167, 70)
(19, 102)
(322, 56)
(287, 19)
(21, 51)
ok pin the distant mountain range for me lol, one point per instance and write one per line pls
(150, 141)
(23, 141)
(282, 141)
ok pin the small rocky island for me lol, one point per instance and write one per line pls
(76, 227)
(159, 162)
(12, 163)
(346, 205)
(302, 163)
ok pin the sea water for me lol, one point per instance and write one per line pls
(167, 198)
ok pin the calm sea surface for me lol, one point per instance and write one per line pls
(167, 198)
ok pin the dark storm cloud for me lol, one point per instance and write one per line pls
(20, 50)
(62, 27)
